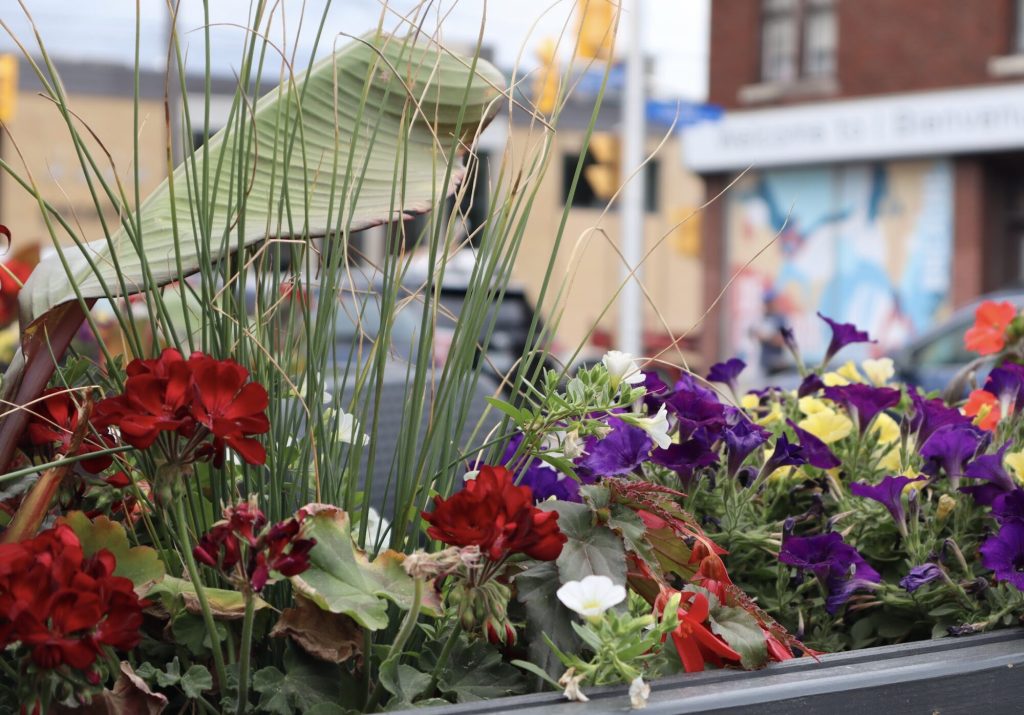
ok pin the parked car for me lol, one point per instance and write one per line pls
(933, 359)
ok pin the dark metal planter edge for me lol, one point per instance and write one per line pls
(979, 673)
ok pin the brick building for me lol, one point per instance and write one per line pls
(873, 152)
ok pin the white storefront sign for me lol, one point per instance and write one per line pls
(977, 119)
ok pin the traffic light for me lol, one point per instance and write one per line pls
(596, 28)
(603, 173)
(8, 86)
(545, 81)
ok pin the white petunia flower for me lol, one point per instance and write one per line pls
(571, 682)
(879, 371)
(621, 368)
(348, 430)
(592, 596)
(572, 445)
(470, 475)
(656, 426)
(639, 691)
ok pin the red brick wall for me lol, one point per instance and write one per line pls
(884, 45)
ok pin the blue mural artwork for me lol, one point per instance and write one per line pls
(867, 244)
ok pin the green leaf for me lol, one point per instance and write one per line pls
(627, 523)
(739, 629)
(591, 548)
(140, 564)
(535, 589)
(195, 680)
(538, 671)
(477, 672)
(305, 684)
(342, 579)
(298, 143)
(177, 592)
(519, 416)
(190, 631)
(404, 682)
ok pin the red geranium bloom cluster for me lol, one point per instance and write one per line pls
(65, 609)
(243, 548)
(988, 334)
(190, 400)
(493, 513)
(13, 275)
(54, 420)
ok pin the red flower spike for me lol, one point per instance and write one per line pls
(988, 334)
(694, 641)
(493, 513)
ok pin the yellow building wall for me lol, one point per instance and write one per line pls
(588, 264)
(39, 146)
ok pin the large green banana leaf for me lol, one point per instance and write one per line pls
(398, 145)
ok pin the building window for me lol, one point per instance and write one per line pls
(798, 40)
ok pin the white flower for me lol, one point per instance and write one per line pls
(376, 527)
(301, 391)
(639, 691)
(879, 371)
(470, 475)
(571, 683)
(621, 368)
(348, 430)
(572, 445)
(592, 596)
(656, 426)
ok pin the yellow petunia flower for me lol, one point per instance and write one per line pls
(750, 402)
(828, 426)
(774, 415)
(810, 405)
(849, 372)
(1015, 461)
(879, 371)
(891, 461)
(886, 429)
(834, 379)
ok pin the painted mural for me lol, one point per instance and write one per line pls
(867, 244)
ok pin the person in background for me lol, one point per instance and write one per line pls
(774, 357)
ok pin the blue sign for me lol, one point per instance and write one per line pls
(683, 113)
(589, 83)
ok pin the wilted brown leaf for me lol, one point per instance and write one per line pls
(328, 636)
(130, 696)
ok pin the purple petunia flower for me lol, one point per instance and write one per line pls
(620, 452)
(930, 415)
(545, 481)
(950, 448)
(843, 334)
(888, 493)
(815, 451)
(785, 454)
(919, 576)
(810, 385)
(726, 372)
(1004, 554)
(695, 406)
(837, 565)
(989, 467)
(1006, 382)
(686, 458)
(741, 438)
(1009, 507)
(657, 390)
(863, 402)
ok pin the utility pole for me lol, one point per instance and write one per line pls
(631, 307)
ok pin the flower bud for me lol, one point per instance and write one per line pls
(500, 632)
(946, 506)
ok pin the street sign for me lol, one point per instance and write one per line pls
(8, 86)
(683, 113)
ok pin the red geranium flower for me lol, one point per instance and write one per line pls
(984, 407)
(191, 401)
(54, 420)
(65, 609)
(493, 513)
(988, 334)
(243, 549)
(13, 274)
(230, 407)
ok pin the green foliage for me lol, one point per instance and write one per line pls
(342, 579)
(305, 683)
(193, 682)
(591, 548)
(140, 564)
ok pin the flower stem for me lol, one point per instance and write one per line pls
(395, 652)
(245, 652)
(442, 659)
(204, 605)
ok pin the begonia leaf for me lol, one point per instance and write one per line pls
(140, 564)
(591, 549)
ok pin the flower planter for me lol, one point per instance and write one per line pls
(974, 674)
